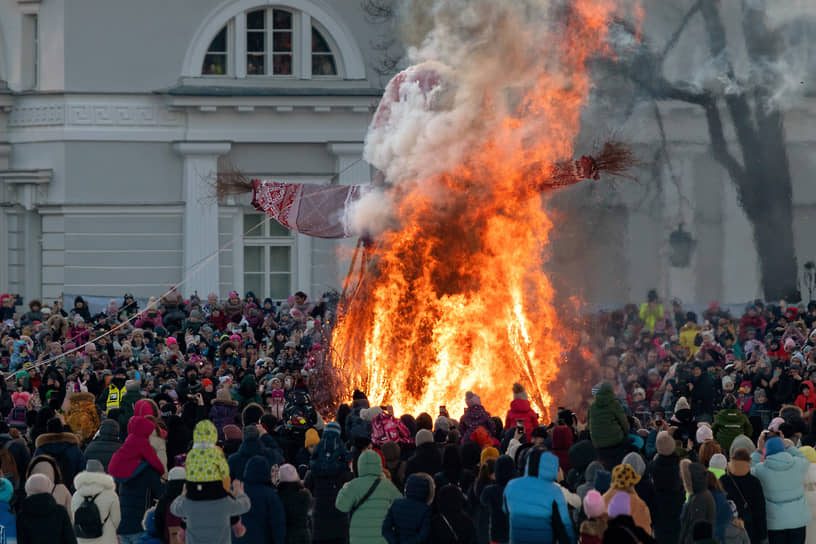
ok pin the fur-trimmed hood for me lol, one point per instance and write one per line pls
(88, 484)
(56, 438)
(77, 398)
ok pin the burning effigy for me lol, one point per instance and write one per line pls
(455, 296)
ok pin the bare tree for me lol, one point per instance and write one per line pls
(758, 166)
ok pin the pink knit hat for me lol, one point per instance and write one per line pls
(593, 504)
(620, 505)
(288, 473)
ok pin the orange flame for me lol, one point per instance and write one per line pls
(456, 298)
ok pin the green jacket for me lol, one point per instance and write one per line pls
(366, 524)
(606, 420)
(728, 424)
(126, 404)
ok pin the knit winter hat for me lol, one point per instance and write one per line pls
(132, 385)
(488, 453)
(288, 473)
(624, 476)
(620, 505)
(519, 392)
(38, 483)
(312, 438)
(727, 381)
(223, 395)
(177, 473)
(807, 451)
(368, 414)
(665, 443)
(93, 465)
(775, 423)
(232, 432)
(704, 433)
(773, 446)
(594, 505)
(442, 424)
(472, 399)
(741, 442)
(481, 437)
(681, 404)
(332, 427)
(718, 460)
(6, 490)
(424, 436)
(634, 460)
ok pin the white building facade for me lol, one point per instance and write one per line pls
(115, 117)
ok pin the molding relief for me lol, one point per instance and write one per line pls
(119, 115)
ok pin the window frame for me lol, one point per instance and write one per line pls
(266, 241)
(229, 54)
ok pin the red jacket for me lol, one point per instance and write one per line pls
(134, 450)
(757, 322)
(520, 409)
(561, 443)
(807, 402)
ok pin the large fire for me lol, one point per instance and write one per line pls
(456, 297)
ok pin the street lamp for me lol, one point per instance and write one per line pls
(810, 278)
(682, 245)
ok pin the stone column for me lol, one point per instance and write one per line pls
(200, 215)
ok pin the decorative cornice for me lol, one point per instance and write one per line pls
(29, 7)
(89, 114)
(27, 187)
(21, 177)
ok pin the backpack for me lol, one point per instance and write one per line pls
(87, 520)
(299, 414)
(17, 417)
(386, 427)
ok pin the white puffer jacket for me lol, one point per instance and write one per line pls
(100, 484)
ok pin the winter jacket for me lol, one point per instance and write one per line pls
(520, 409)
(606, 420)
(728, 424)
(561, 444)
(702, 396)
(451, 524)
(492, 499)
(101, 486)
(209, 521)
(145, 408)
(474, 417)
(135, 450)
(82, 415)
(781, 475)
(205, 462)
(136, 494)
(297, 502)
(426, 458)
(105, 444)
(8, 523)
(266, 520)
(127, 408)
(324, 490)
(528, 501)
(366, 523)
(223, 414)
(746, 491)
(581, 455)
(700, 505)
(639, 510)
(806, 402)
(664, 472)
(686, 425)
(18, 449)
(249, 448)
(46, 465)
(356, 426)
(64, 448)
(408, 521)
(43, 521)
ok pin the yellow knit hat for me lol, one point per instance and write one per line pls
(488, 453)
(809, 453)
(312, 438)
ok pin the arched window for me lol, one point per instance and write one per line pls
(273, 42)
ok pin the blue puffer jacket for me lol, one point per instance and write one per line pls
(782, 475)
(528, 501)
(266, 521)
(136, 495)
(408, 520)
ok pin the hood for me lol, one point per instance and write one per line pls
(391, 452)
(581, 454)
(205, 433)
(144, 408)
(248, 387)
(140, 426)
(419, 487)
(505, 469)
(520, 405)
(92, 483)
(45, 465)
(79, 398)
(258, 471)
(810, 386)
(57, 441)
(605, 395)
(697, 473)
(109, 430)
(781, 461)
(369, 464)
(562, 438)
(547, 465)
(450, 500)
(592, 470)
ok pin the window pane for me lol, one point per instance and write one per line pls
(219, 43)
(319, 43)
(282, 65)
(281, 19)
(251, 220)
(254, 283)
(280, 286)
(256, 42)
(282, 42)
(276, 229)
(279, 260)
(256, 65)
(256, 19)
(253, 259)
(323, 65)
(214, 65)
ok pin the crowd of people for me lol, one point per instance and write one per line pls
(197, 421)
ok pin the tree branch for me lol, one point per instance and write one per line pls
(675, 37)
(719, 145)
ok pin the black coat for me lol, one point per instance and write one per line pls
(702, 396)
(42, 520)
(451, 518)
(105, 444)
(296, 503)
(746, 492)
(492, 499)
(669, 497)
(329, 521)
(427, 458)
(136, 495)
